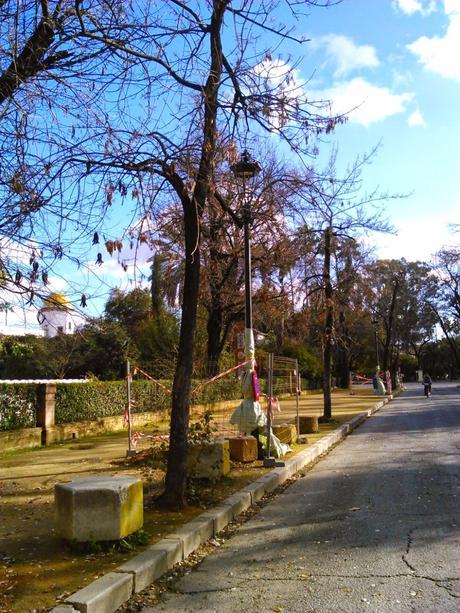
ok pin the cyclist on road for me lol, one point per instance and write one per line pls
(427, 385)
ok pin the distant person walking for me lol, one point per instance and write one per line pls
(427, 384)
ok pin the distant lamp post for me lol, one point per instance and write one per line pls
(375, 324)
(249, 416)
(379, 387)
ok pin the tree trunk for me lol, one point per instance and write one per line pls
(343, 367)
(156, 293)
(214, 346)
(387, 348)
(328, 326)
(175, 483)
(174, 496)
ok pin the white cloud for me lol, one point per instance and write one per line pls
(112, 271)
(17, 252)
(365, 103)
(418, 238)
(409, 7)
(416, 119)
(17, 316)
(277, 77)
(451, 7)
(345, 54)
(439, 54)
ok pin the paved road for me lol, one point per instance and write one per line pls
(373, 527)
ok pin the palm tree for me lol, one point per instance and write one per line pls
(6, 307)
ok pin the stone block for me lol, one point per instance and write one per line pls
(105, 595)
(238, 502)
(209, 460)
(256, 490)
(221, 516)
(99, 508)
(172, 548)
(194, 533)
(287, 433)
(271, 481)
(145, 567)
(243, 448)
(308, 424)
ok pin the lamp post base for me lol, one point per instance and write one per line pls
(272, 462)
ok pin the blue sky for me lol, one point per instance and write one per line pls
(396, 63)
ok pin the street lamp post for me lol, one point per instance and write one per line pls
(245, 170)
(249, 416)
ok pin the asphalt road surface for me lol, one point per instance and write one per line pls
(374, 526)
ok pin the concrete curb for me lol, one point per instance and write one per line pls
(110, 591)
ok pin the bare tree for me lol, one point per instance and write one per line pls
(336, 210)
(149, 91)
(447, 307)
(222, 278)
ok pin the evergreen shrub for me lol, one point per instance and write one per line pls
(18, 406)
(95, 399)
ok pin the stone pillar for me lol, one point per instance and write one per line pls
(308, 424)
(46, 395)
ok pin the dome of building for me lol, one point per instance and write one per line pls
(56, 301)
(57, 316)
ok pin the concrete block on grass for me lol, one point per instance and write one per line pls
(104, 595)
(295, 463)
(308, 455)
(243, 448)
(270, 481)
(284, 472)
(286, 433)
(99, 508)
(357, 420)
(208, 460)
(308, 424)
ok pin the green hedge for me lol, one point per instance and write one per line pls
(18, 406)
(88, 401)
(95, 399)
(223, 389)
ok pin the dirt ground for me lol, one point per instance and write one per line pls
(37, 569)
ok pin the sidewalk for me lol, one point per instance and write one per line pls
(110, 591)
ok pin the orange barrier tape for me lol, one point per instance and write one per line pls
(136, 370)
(219, 376)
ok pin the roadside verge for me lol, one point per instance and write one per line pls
(113, 589)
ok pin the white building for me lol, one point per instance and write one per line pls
(58, 317)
